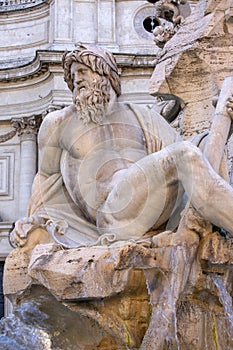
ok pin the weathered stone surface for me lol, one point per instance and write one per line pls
(16, 279)
(90, 285)
(94, 272)
(216, 252)
(194, 63)
(80, 274)
(129, 297)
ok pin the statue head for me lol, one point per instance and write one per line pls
(97, 87)
(97, 59)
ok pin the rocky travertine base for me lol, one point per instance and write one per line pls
(147, 295)
(195, 61)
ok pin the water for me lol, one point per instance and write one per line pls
(224, 298)
(15, 333)
(163, 324)
(43, 323)
(165, 290)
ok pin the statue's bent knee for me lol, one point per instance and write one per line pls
(189, 153)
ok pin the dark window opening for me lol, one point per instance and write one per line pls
(1, 290)
(150, 23)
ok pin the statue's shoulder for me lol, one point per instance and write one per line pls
(55, 120)
(58, 116)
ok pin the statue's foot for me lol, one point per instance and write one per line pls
(163, 239)
(229, 106)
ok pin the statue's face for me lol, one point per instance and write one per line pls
(91, 92)
(82, 76)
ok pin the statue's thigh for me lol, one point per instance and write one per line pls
(144, 197)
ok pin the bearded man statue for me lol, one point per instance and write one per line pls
(111, 171)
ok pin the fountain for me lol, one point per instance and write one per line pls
(225, 299)
(104, 280)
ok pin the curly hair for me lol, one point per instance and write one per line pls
(94, 57)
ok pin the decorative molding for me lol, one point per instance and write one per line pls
(5, 229)
(27, 126)
(7, 161)
(13, 75)
(24, 126)
(135, 60)
(45, 60)
(16, 5)
(9, 135)
(39, 36)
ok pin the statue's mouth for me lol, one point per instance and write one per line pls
(81, 88)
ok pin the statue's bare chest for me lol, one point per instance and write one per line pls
(83, 141)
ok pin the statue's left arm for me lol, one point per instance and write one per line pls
(221, 124)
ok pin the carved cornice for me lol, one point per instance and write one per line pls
(134, 60)
(45, 60)
(20, 74)
(14, 5)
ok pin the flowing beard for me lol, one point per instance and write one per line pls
(92, 101)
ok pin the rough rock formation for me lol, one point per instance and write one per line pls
(195, 61)
(128, 296)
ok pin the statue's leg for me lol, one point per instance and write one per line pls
(148, 193)
(144, 197)
(210, 195)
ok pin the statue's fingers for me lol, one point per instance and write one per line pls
(229, 104)
(18, 229)
(230, 100)
(19, 241)
(230, 112)
(14, 238)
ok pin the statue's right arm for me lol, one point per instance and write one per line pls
(49, 163)
(49, 143)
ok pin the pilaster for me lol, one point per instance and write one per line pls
(63, 22)
(27, 128)
(106, 22)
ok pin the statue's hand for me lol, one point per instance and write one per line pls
(229, 106)
(23, 227)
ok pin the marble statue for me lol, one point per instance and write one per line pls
(169, 15)
(112, 171)
(136, 192)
